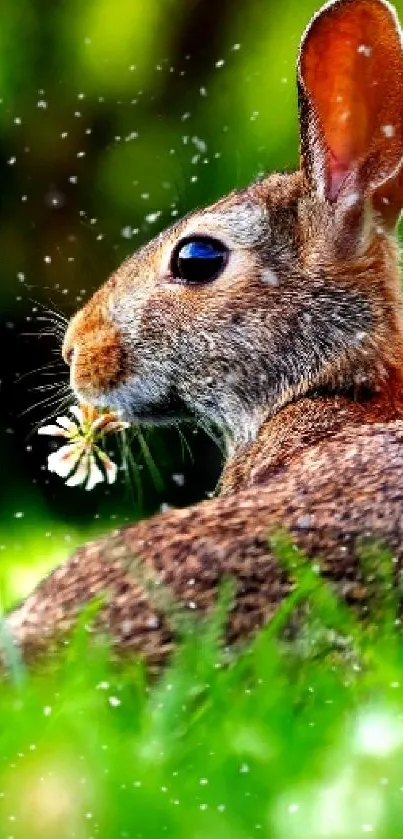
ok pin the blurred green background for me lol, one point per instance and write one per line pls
(115, 118)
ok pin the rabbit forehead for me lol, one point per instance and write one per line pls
(243, 223)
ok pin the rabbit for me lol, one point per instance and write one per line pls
(275, 315)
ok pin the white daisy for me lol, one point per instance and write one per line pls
(81, 460)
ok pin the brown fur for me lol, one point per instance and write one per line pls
(295, 351)
(328, 497)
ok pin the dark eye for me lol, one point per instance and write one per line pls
(198, 260)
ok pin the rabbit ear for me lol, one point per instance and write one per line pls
(350, 82)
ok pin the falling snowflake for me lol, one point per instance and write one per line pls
(81, 460)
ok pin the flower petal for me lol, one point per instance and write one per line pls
(108, 423)
(111, 470)
(77, 413)
(81, 473)
(53, 430)
(89, 412)
(68, 424)
(117, 425)
(95, 476)
(65, 459)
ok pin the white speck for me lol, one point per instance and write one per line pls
(203, 91)
(153, 622)
(19, 515)
(388, 130)
(47, 710)
(53, 198)
(270, 278)
(11, 161)
(293, 808)
(200, 144)
(178, 479)
(42, 104)
(203, 782)
(81, 154)
(152, 217)
(185, 116)
(236, 47)
(220, 62)
(192, 604)
(17, 121)
(114, 702)
(47, 259)
(352, 199)
(364, 49)
(244, 768)
(303, 522)
(367, 828)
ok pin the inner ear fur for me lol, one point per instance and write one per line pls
(350, 84)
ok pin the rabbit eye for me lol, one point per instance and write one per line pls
(198, 260)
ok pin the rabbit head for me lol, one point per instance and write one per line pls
(280, 289)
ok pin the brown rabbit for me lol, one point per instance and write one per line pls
(275, 314)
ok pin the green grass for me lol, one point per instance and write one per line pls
(297, 735)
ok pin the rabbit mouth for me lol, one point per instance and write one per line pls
(141, 407)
